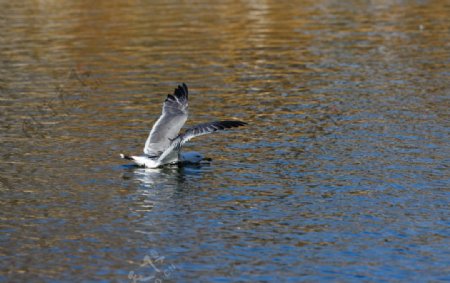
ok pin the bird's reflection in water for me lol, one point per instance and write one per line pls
(173, 175)
(156, 186)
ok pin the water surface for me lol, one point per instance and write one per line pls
(341, 175)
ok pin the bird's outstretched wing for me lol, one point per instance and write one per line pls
(202, 129)
(174, 115)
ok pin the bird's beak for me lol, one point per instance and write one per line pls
(207, 159)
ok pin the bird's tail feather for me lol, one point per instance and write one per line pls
(124, 156)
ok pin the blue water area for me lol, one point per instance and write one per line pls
(341, 175)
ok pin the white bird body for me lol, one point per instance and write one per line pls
(191, 157)
(144, 161)
(163, 146)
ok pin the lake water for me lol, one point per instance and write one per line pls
(341, 175)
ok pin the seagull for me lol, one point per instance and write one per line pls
(164, 143)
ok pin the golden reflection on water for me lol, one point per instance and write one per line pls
(346, 110)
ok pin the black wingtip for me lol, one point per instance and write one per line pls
(170, 97)
(181, 91)
(231, 124)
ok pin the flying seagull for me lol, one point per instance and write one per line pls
(163, 145)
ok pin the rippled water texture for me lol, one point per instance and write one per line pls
(341, 175)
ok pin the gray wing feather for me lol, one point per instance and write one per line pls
(208, 128)
(174, 115)
(202, 129)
